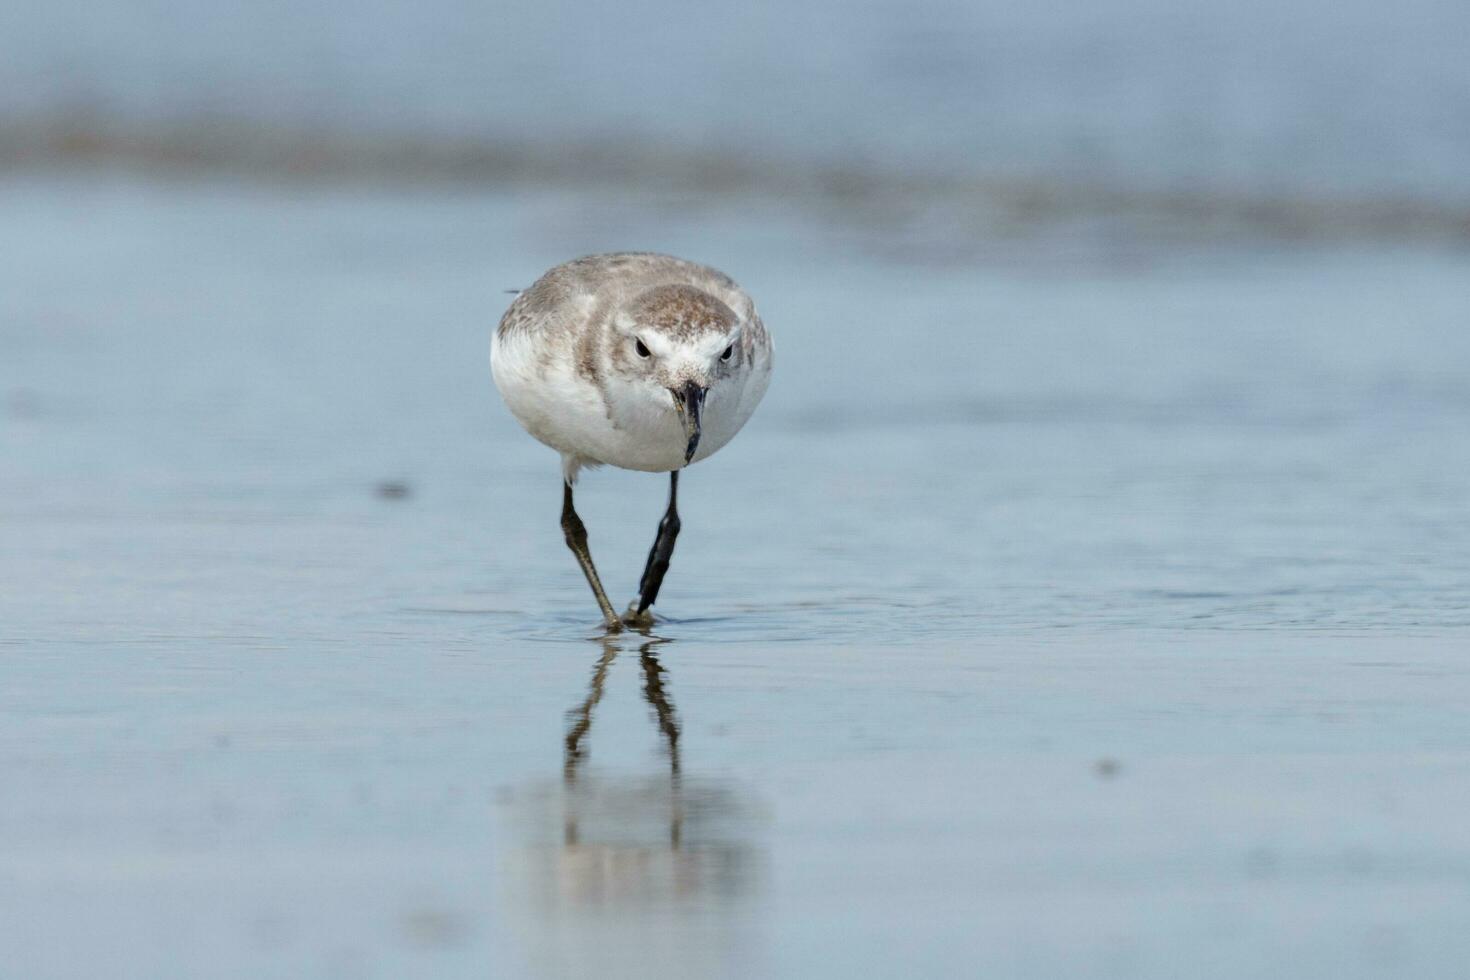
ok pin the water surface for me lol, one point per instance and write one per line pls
(1087, 613)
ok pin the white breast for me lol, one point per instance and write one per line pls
(633, 430)
(547, 396)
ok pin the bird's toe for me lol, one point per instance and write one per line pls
(636, 619)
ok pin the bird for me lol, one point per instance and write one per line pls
(638, 360)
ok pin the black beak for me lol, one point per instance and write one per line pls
(689, 402)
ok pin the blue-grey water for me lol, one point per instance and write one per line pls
(1089, 597)
(1063, 620)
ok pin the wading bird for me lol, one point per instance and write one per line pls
(637, 360)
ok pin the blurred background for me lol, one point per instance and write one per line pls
(1087, 598)
(941, 125)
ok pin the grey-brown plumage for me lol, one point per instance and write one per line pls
(560, 298)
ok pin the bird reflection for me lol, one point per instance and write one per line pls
(632, 874)
(634, 840)
(656, 694)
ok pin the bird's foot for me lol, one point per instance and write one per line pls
(637, 620)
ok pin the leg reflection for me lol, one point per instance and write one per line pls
(581, 722)
(656, 693)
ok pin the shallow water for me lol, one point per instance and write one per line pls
(1094, 615)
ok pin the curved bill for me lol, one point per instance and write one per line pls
(689, 403)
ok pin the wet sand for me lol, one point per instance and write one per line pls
(1076, 617)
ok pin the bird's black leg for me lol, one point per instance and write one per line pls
(576, 534)
(658, 556)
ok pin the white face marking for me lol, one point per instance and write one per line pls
(660, 344)
(671, 360)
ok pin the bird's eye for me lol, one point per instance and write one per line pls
(729, 353)
(640, 348)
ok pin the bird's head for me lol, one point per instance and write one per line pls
(676, 344)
